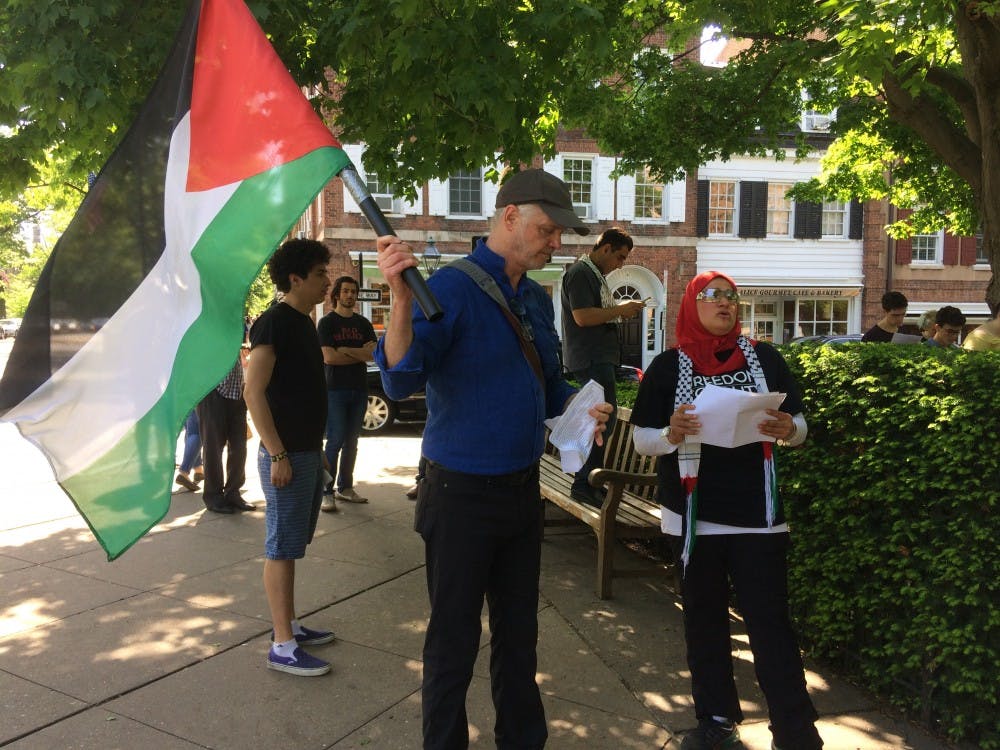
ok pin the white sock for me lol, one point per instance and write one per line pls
(286, 649)
(723, 720)
(297, 628)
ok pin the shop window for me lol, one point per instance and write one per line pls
(818, 317)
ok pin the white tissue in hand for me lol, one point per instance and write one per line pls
(573, 432)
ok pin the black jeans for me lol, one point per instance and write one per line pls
(758, 568)
(223, 423)
(603, 373)
(482, 537)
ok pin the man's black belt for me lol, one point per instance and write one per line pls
(513, 479)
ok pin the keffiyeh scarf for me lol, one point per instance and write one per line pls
(607, 300)
(689, 454)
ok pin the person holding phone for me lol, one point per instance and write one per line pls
(591, 337)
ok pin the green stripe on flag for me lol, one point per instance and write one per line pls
(127, 491)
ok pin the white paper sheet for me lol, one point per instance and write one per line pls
(573, 431)
(729, 416)
(905, 338)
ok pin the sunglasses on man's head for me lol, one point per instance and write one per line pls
(718, 295)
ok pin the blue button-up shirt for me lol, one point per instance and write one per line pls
(486, 407)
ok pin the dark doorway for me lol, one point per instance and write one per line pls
(631, 329)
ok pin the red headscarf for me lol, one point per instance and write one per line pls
(696, 342)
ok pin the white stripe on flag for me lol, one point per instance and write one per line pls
(85, 408)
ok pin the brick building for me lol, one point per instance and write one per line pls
(802, 268)
(932, 270)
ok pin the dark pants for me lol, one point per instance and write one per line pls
(344, 417)
(758, 568)
(603, 373)
(223, 424)
(482, 537)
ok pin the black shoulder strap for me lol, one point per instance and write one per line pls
(489, 285)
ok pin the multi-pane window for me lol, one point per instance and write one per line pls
(925, 248)
(817, 317)
(834, 219)
(378, 313)
(721, 207)
(648, 196)
(377, 186)
(779, 209)
(578, 174)
(381, 191)
(981, 258)
(465, 192)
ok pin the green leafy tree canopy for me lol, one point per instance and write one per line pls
(433, 86)
(914, 85)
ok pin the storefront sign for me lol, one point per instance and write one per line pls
(369, 295)
(820, 292)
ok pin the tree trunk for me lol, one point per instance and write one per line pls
(978, 37)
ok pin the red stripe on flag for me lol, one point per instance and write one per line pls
(247, 113)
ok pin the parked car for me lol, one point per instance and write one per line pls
(830, 338)
(623, 374)
(9, 327)
(383, 411)
(627, 374)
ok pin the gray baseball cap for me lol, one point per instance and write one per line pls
(547, 192)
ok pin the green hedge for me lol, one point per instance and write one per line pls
(894, 504)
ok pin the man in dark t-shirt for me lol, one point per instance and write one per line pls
(894, 306)
(347, 340)
(286, 395)
(591, 345)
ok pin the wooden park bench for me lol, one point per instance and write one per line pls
(630, 510)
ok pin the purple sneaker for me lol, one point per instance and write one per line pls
(299, 663)
(310, 637)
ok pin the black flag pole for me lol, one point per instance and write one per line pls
(359, 191)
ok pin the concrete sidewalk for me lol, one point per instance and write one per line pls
(165, 647)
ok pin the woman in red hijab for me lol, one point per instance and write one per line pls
(722, 507)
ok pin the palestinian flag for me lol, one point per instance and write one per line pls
(139, 311)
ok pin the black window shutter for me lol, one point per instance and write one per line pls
(701, 225)
(808, 220)
(753, 209)
(855, 230)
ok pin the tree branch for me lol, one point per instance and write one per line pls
(922, 116)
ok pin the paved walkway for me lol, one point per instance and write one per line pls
(165, 647)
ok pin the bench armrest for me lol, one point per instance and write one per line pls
(600, 477)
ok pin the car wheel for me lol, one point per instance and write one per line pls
(381, 413)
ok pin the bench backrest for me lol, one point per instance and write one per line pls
(620, 455)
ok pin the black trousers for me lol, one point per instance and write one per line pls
(482, 538)
(223, 423)
(757, 565)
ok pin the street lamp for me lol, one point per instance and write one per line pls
(432, 257)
